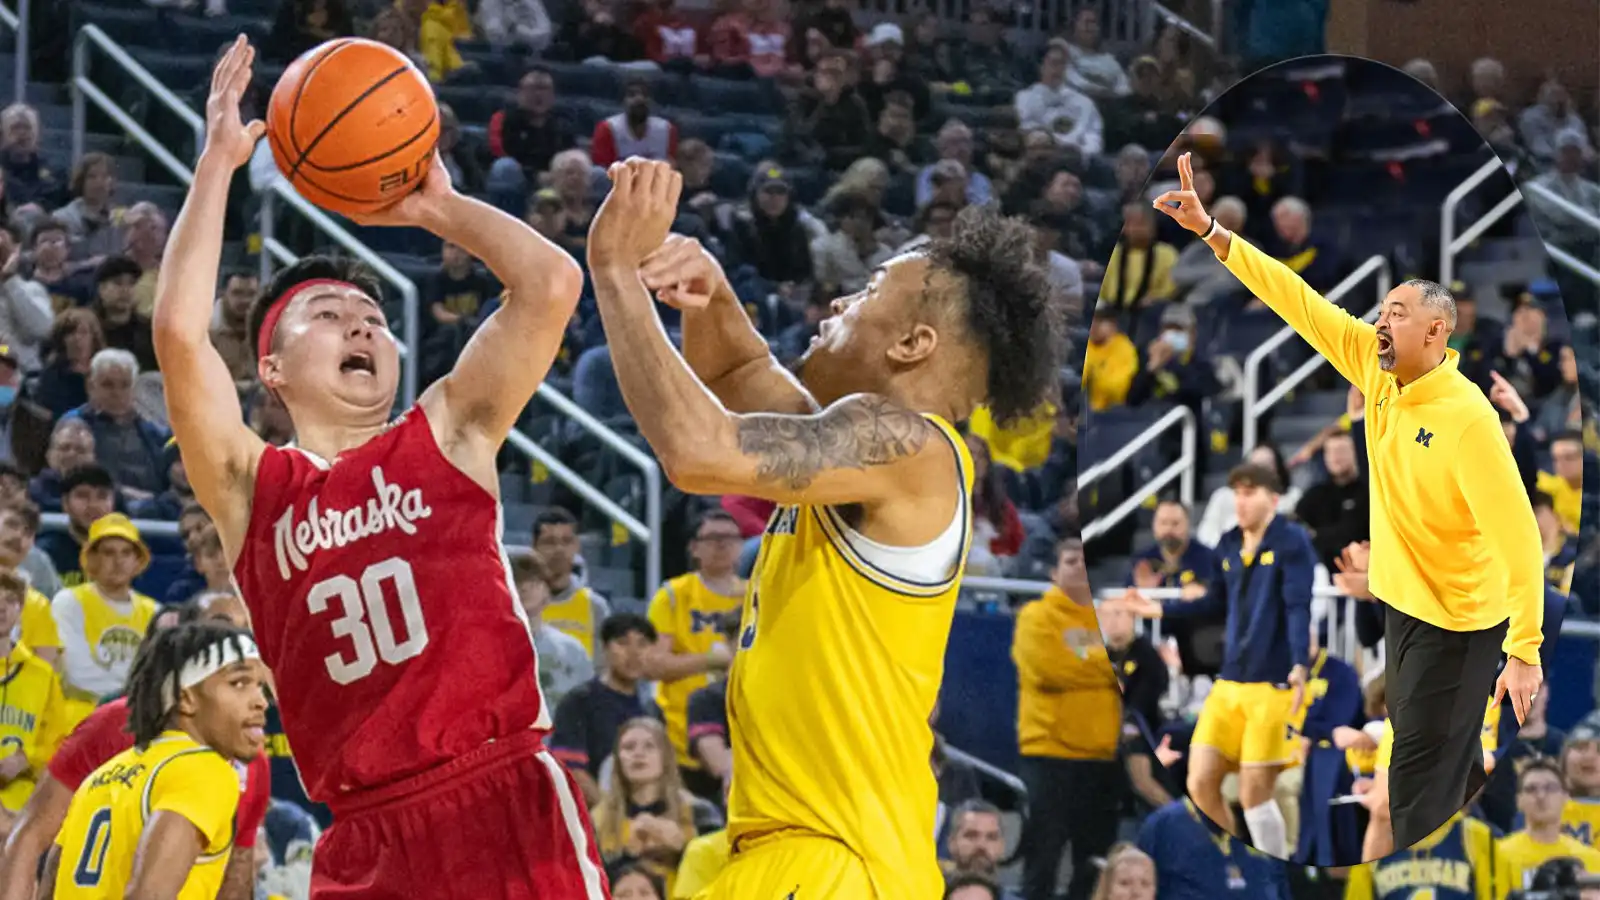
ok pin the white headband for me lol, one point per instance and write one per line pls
(207, 663)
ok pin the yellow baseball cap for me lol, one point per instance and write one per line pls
(114, 525)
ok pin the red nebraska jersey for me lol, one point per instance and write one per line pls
(105, 733)
(381, 597)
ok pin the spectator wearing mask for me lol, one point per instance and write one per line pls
(768, 233)
(28, 175)
(115, 281)
(670, 39)
(525, 137)
(977, 843)
(845, 259)
(229, 326)
(1092, 69)
(563, 663)
(146, 242)
(954, 143)
(1334, 510)
(644, 817)
(589, 719)
(90, 224)
(74, 341)
(574, 607)
(634, 131)
(51, 250)
(508, 24)
(1554, 114)
(692, 614)
(1055, 106)
(1069, 725)
(1173, 369)
(1139, 272)
(1110, 361)
(125, 442)
(103, 620)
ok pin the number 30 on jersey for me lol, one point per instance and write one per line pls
(365, 618)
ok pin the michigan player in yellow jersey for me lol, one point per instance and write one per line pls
(157, 820)
(848, 611)
(1580, 762)
(691, 614)
(1541, 794)
(1456, 862)
(33, 713)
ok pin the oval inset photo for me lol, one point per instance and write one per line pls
(1331, 467)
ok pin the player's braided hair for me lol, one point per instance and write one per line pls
(1014, 312)
(156, 669)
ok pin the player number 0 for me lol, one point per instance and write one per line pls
(92, 859)
(366, 622)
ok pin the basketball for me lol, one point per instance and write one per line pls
(352, 125)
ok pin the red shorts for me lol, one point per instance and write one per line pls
(505, 822)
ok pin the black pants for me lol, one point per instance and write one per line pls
(1438, 685)
(1070, 801)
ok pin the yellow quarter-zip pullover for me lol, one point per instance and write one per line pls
(1454, 541)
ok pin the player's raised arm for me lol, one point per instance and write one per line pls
(219, 451)
(1349, 343)
(859, 450)
(510, 353)
(720, 343)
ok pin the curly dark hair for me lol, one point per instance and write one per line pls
(160, 659)
(337, 268)
(1013, 311)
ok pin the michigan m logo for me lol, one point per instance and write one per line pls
(1424, 436)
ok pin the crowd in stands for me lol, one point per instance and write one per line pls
(813, 147)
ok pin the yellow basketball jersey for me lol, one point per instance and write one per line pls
(38, 625)
(33, 719)
(692, 613)
(106, 820)
(1581, 820)
(574, 615)
(1518, 856)
(829, 699)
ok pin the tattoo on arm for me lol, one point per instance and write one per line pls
(856, 434)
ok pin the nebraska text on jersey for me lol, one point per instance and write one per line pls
(390, 508)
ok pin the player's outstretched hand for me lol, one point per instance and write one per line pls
(1183, 205)
(683, 273)
(637, 215)
(1520, 681)
(427, 207)
(228, 138)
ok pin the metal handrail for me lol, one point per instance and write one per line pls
(91, 37)
(18, 23)
(1192, 30)
(1577, 212)
(650, 530)
(1255, 405)
(1448, 246)
(1181, 470)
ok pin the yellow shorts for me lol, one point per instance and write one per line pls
(1248, 724)
(792, 866)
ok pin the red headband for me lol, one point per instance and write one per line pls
(269, 322)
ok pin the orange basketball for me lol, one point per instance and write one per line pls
(352, 125)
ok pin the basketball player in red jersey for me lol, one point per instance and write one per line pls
(368, 552)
